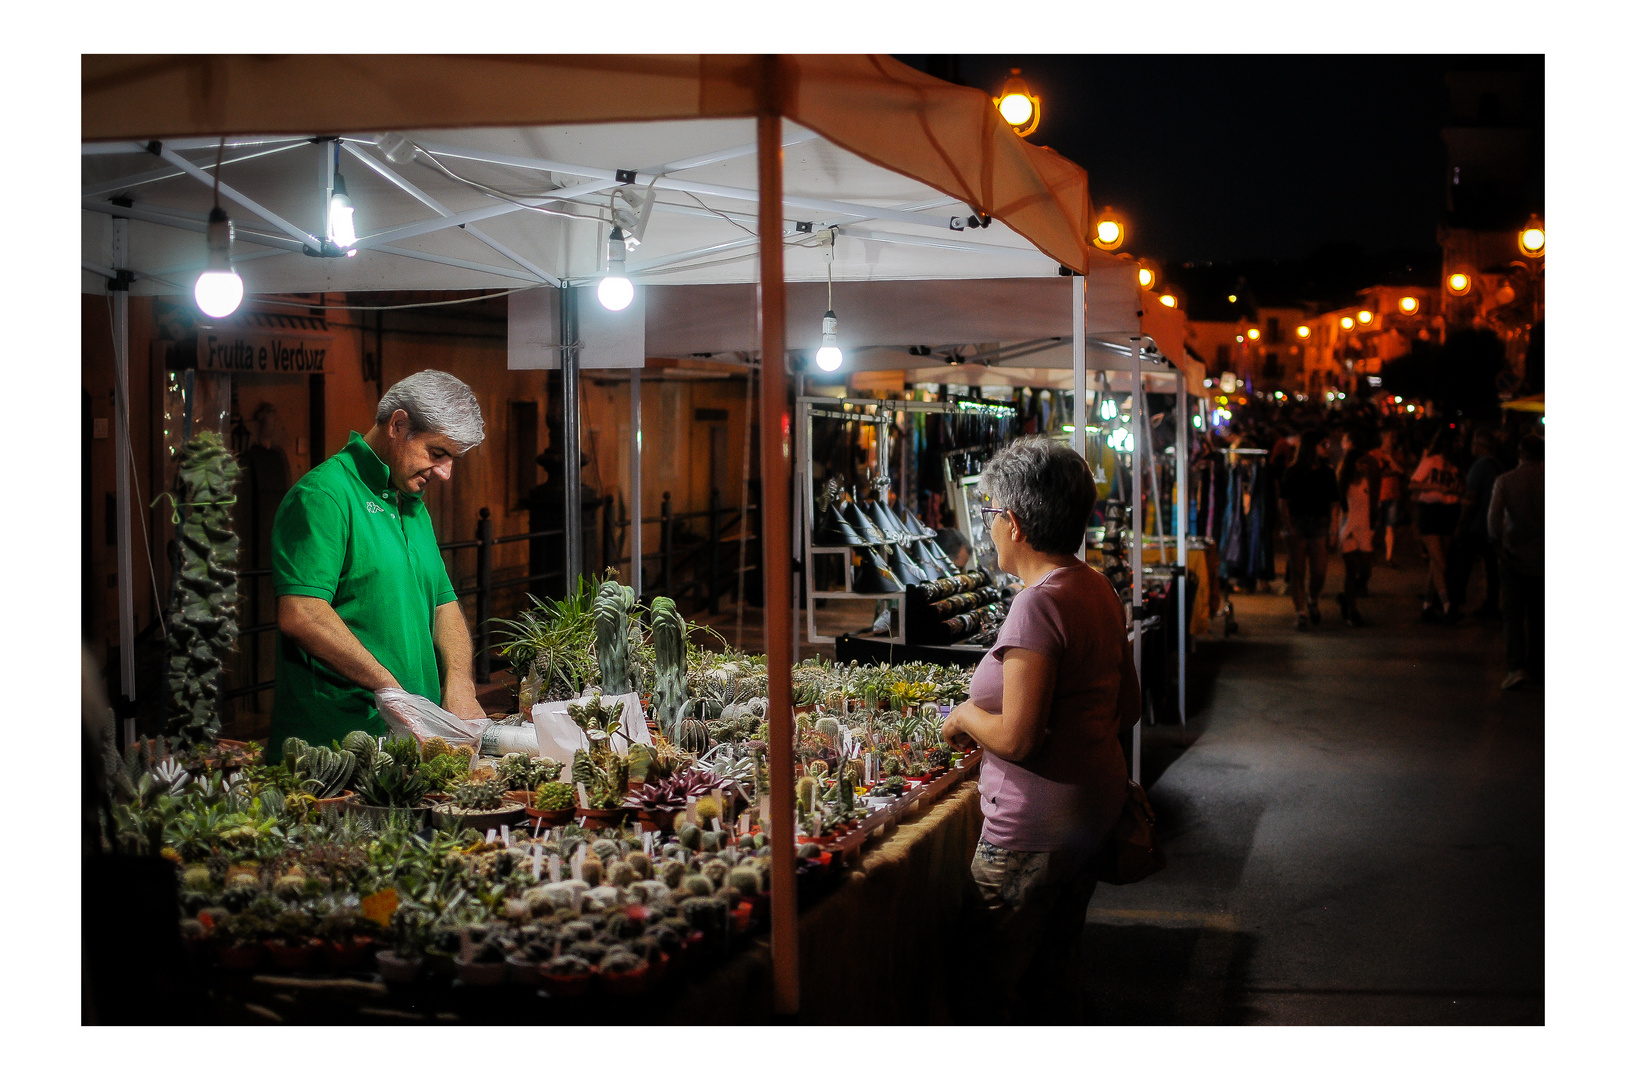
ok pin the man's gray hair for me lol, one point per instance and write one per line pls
(438, 402)
(1047, 486)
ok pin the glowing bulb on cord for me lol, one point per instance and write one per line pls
(829, 355)
(1018, 106)
(1109, 230)
(1253, 334)
(1408, 304)
(1363, 317)
(1533, 237)
(219, 290)
(614, 289)
(1167, 300)
(1147, 278)
(1304, 331)
(1109, 408)
(341, 215)
(1458, 283)
(1347, 323)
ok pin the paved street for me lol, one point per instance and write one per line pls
(1354, 821)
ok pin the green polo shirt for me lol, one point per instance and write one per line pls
(344, 535)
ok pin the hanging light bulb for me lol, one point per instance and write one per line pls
(219, 290)
(1109, 230)
(1109, 408)
(341, 216)
(829, 355)
(615, 289)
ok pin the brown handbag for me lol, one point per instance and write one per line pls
(1131, 850)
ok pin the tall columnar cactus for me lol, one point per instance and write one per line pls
(202, 614)
(671, 664)
(610, 611)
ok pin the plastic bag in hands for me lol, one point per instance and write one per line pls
(406, 713)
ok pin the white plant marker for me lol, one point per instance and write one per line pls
(553, 866)
(504, 835)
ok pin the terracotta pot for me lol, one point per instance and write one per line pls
(601, 819)
(509, 813)
(399, 970)
(522, 797)
(660, 820)
(347, 955)
(566, 986)
(524, 972)
(474, 973)
(549, 819)
(625, 983)
(288, 956)
(338, 802)
(742, 917)
(241, 957)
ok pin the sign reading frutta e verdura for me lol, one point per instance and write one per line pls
(259, 350)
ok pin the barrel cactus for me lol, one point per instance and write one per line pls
(671, 664)
(202, 617)
(480, 794)
(364, 746)
(688, 732)
(610, 611)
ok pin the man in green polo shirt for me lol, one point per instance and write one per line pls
(363, 599)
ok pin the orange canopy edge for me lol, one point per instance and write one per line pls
(946, 136)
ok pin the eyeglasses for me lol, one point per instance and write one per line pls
(990, 512)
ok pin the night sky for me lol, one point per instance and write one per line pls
(1227, 158)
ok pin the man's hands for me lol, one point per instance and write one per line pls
(460, 700)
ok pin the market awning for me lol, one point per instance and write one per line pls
(901, 163)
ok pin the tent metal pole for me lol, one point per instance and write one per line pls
(1182, 511)
(778, 627)
(635, 500)
(1081, 369)
(1137, 526)
(570, 377)
(123, 457)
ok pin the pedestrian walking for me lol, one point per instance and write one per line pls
(1359, 479)
(1516, 524)
(1438, 484)
(1472, 541)
(1309, 490)
(1391, 461)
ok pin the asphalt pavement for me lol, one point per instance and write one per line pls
(1354, 823)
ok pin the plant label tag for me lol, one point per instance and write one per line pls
(504, 831)
(553, 867)
(688, 811)
(581, 792)
(491, 836)
(745, 823)
(649, 843)
(577, 857)
(536, 862)
(637, 828)
(715, 827)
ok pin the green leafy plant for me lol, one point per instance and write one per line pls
(403, 752)
(611, 608)
(671, 665)
(479, 794)
(554, 796)
(443, 773)
(202, 616)
(393, 785)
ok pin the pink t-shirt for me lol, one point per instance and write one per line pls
(1071, 790)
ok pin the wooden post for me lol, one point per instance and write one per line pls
(777, 625)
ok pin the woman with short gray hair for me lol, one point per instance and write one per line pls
(1047, 703)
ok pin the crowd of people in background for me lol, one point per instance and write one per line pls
(1356, 482)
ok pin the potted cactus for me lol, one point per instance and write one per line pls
(551, 805)
(611, 608)
(479, 805)
(623, 972)
(481, 960)
(566, 976)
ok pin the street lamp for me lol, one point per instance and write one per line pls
(1533, 238)
(1109, 230)
(1018, 105)
(1459, 283)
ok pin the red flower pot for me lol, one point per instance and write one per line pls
(625, 983)
(566, 986)
(524, 972)
(601, 819)
(243, 957)
(549, 819)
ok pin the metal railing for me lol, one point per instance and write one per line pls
(674, 553)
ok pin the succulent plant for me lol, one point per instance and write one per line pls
(939, 757)
(671, 664)
(707, 808)
(688, 731)
(327, 771)
(622, 875)
(697, 885)
(443, 773)
(515, 770)
(392, 785)
(640, 864)
(202, 621)
(479, 794)
(689, 836)
(640, 761)
(672, 874)
(364, 747)
(403, 752)
(611, 608)
(433, 747)
(746, 880)
(553, 796)
(592, 871)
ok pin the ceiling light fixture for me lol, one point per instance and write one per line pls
(829, 355)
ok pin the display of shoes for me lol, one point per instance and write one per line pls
(915, 526)
(873, 576)
(862, 524)
(904, 567)
(834, 531)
